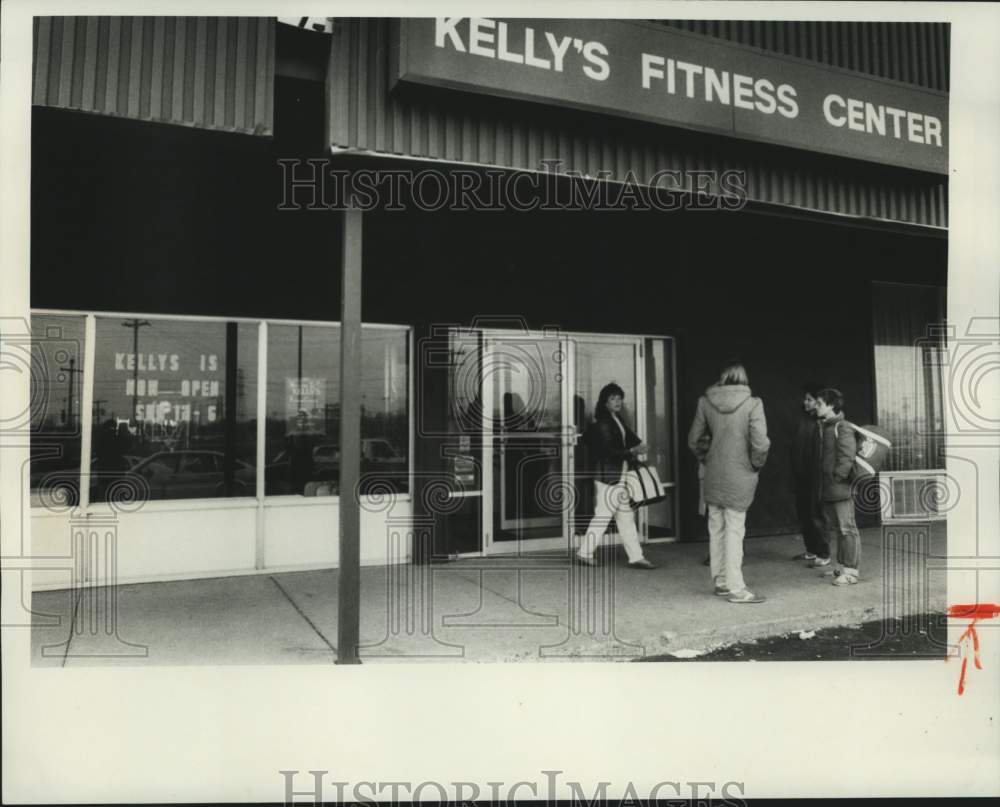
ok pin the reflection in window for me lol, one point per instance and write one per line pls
(56, 392)
(464, 414)
(303, 410)
(908, 360)
(174, 409)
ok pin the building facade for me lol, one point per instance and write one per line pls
(653, 198)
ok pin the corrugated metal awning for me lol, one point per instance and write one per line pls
(205, 72)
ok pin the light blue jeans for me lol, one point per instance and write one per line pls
(726, 528)
(838, 520)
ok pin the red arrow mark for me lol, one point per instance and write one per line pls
(974, 613)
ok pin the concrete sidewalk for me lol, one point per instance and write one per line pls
(534, 608)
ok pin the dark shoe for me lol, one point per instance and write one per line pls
(642, 564)
(722, 591)
(805, 556)
(584, 561)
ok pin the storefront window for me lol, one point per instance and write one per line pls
(174, 409)
(303, 410)
(908, 373)
(56, 347)
(465, 415)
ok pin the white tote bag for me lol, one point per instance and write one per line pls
(644, 486)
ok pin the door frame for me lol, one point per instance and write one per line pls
(490, 486)
(566, 342)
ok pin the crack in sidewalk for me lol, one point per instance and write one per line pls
(302, 614)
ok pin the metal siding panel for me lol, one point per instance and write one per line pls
(78, 61)
(855, 30)
(243, 72)
(43, 42)
(338, 91)
(146, 74)
(364, 84)
(55, 61)
(381, 55)
(133, 79)
(263, 73)
(65, 84)
(200, 71)
(233, 69)
(103, 49)
(218, 99)
(934, 79)
(156, 68)
(177, 81)
(89, 70)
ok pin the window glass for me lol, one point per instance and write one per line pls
(303, 410)
(465, 415)
(385, 424)
(907, 327)
(174, 409)
(56, 349)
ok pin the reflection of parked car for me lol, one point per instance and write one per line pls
(326, 459)
(376, 453)
(381, 464)
(192, 474)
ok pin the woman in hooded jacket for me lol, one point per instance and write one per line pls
(729, 436)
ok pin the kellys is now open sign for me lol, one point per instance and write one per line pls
(643, 71)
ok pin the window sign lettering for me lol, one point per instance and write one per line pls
(160, 408)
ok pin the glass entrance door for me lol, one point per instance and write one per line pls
(526, 437)
(596, 361)
(538, 394)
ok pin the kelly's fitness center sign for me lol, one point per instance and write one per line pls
(638, 70)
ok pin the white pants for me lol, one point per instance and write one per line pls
(725, 545)
(611, 501)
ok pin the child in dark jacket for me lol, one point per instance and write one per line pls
(837, 452)
(806, 479)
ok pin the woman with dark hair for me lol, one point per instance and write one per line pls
(729, 435)
(613, 448)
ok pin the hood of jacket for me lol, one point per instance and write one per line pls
(728, 398)
(834, 418)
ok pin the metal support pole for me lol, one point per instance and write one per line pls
(349, 592)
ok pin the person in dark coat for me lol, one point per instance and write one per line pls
(806, 480)
(613, 448)
(839, 448)
(729, 435)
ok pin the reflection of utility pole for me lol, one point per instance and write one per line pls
(135, 325)
(69, 401)
(298, 406)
